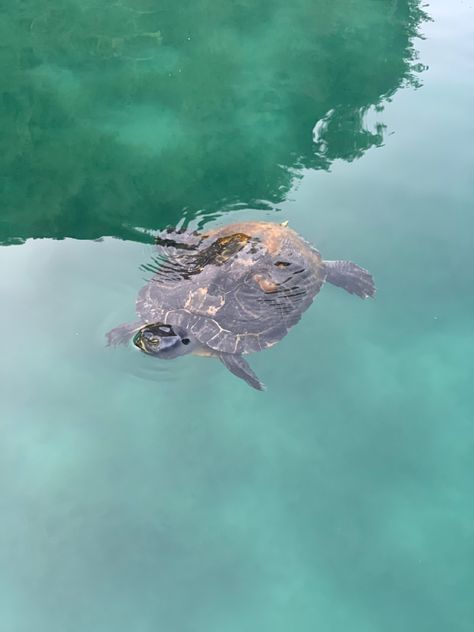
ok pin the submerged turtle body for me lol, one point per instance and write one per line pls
(240, 291)
(232, 291)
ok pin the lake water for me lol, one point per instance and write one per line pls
(138, 495)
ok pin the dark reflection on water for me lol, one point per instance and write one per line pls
(124, 114)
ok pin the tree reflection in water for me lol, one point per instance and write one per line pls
(119, 115)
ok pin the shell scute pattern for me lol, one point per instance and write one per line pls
(238, 289)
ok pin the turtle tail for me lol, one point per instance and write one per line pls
(350, 277)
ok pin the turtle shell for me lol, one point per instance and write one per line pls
(237, 289)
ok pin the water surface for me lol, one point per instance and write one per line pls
(137, 495)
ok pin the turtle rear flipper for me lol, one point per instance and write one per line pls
(350, 277)
(173, 239)
(241, 368)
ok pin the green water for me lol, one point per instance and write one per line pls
(138, 495)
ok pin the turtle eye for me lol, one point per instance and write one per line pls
(185, 341)
(151, 338)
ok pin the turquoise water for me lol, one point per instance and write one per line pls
(142, 495)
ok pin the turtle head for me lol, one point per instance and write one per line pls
(163, 341)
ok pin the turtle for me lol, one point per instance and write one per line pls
(231, 291)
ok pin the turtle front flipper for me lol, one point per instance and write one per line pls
(241, 368)
(350, 277)
(122, 334)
